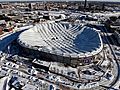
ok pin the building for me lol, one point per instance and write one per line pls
(61, 43)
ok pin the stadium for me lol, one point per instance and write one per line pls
(61, 42)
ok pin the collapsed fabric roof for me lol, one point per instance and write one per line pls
(62, 39)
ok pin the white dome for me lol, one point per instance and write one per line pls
(76, 39)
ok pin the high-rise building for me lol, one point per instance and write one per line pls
(85, 4)
(30, 6)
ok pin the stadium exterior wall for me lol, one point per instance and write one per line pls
(58, 58)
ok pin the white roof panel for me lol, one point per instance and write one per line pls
(76, 39)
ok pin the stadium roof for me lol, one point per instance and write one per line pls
(62, 39)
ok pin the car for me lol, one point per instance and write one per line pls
(8, 64)
(78, 85)
(5, 68)
(15, 66)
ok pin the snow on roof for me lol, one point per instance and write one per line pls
(40, 62)
(2, 22)
(107, 14)
(29, 87)
(2, 82)
(55, 38)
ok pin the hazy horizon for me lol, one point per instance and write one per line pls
(64, 0)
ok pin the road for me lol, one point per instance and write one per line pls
(117, 80)
(115, 44)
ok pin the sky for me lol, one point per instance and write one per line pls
(62, 0)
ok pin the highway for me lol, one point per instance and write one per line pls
(115, 81)
(115, 44)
